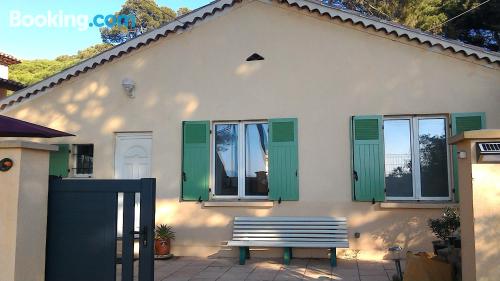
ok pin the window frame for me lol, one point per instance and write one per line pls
(241, 159)
(74, 161)
(415, 157)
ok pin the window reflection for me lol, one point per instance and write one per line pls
(433, 157)
(256, 157)
(398, 170)
(226, 159)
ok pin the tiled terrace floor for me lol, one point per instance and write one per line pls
(208, 269)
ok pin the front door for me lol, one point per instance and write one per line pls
(133, 155)
(132, 161)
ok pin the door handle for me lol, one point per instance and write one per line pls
(143, 235)
(355, 175)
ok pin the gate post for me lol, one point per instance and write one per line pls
(23, 209)
(479, 187)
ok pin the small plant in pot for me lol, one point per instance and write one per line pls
(163, 235)
(444, 227)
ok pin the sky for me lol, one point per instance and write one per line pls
(48, 42)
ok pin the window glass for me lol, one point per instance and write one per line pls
(84, 159)
(433, 157)
(226, 159)
(398, 164)
(256, 143)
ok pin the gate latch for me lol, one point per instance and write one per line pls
(142, 235)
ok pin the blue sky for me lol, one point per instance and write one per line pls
(50, 42)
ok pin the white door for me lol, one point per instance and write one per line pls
(132, 161)
(133, 155)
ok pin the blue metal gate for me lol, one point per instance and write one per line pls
(82, 230)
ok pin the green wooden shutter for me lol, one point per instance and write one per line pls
(195, 160)
(461, 122)
(368, 158)
(59, 160)
(283, 160)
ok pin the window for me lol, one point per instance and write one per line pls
(240, 160)
(416, 158)
(83, 160)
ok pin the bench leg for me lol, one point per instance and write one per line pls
(247, 252)
(243, 255)
(333, 257)
(287, 255)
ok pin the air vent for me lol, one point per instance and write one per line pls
(488, 152)
(254, 57)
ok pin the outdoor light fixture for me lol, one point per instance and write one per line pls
(129, 87)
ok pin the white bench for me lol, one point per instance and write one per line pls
(288, 233)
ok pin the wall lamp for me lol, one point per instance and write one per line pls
(129, 87)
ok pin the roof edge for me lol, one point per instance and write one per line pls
(393, 28)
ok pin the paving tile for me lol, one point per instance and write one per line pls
(375, 278)
(212, 272)
(313, 274)
(389, 265)
(234, 274)
(345, 274)
(224, 262)
(262, 274)
(371, 268)
(346, 264)
(391, 273)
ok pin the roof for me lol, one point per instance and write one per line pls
(11, 127)
(198, 15)
(10, 85)
(6, 59)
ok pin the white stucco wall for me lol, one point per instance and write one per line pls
(315, 69)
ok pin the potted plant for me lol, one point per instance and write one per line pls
(163, 235)
(444, 227)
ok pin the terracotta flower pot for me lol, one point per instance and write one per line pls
(162, 247)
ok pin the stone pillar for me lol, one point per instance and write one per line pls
(23, 210)
(479, 187)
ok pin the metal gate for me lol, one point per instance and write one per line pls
(82, 230)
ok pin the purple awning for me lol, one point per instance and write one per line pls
(10, 127)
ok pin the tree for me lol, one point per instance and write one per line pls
(182, 11)
(480, 26)
(148, 16)
(31, 71)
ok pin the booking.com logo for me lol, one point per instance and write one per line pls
(61, 20)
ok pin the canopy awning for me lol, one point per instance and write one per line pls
(11, 127)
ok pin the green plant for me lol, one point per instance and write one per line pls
(446, 225)
(164, 232)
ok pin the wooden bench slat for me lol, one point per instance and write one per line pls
(289, 234)
(305, 219)
(288, 227)
(305, 231)
(292, 239)
(287, 223)
(274, 244)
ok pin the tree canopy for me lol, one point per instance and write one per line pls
(31, 71)
(148, 16)
(480, 26)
